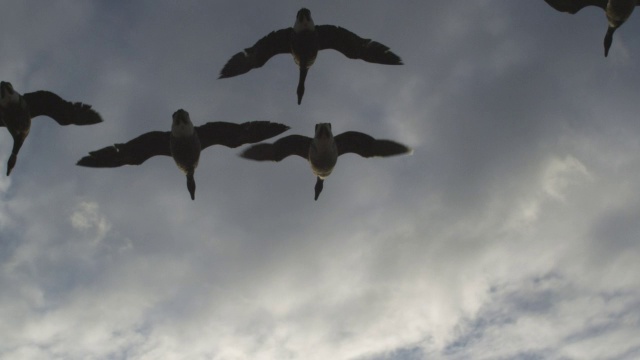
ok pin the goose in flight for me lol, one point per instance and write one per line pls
(184, 143)
(303, 41)
(323, 149)
(16, 112)
(617, 11)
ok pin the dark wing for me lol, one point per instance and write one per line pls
(233, 135)
(355, 47)
(286, 146)
(134, 152)
(62, 111)
(573, 6)
(277, 42)
(366, 146)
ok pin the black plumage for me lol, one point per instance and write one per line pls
(17, 111)
(323, 150)
(184, 144)
(303, 41)
(617, 13)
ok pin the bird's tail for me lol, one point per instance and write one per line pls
(608, 39)
(17, 144)
(303, 76)
(11, 163)
(318, 188)
(191, 185)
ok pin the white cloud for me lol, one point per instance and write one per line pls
(86, 217)
(510, 232)
(562, 173)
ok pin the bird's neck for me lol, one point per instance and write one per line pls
(182, 130)
(12, 99)
(304, 25)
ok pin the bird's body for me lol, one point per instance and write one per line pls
(617, 12)
(185, 147)
(322, 151)
(183, 143)
(16, 112)
(185, 151)
(303, 41)
(16, 118)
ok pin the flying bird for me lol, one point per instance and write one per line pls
(183, 143)
(323, 149)
(16, 112)
(617, 11)
(303, 41)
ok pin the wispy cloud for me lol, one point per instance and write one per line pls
(510, 232)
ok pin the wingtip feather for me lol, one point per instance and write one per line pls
(105, 157)
(259, 152)
(86, 115)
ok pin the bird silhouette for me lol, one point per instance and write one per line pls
(323, 149)
(303, 41)
(16, 112)
(184, 143)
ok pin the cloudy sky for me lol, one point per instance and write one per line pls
(511, 232)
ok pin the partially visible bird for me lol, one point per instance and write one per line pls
(16, 112)
(617, 11)
(303, 41)
(183, 143)
(323, 149)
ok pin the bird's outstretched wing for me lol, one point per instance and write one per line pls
(355, 47)
(277, 42)
(366, 146)
(573, 6)
(134, 152)
(286, 146)
(233, 135)
(62, 111)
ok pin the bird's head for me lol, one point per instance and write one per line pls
(182, 125)
(7, 94)
(323, 131)
(303, 21)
